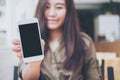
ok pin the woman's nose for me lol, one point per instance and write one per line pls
(52, 12)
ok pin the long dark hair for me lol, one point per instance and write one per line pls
(74, 44)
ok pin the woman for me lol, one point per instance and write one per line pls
(69, 53)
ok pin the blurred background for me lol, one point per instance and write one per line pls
(100, 19)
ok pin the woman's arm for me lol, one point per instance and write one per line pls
(92, 69)
(31, 71)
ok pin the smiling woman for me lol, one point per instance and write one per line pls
(69, 53)
(55, 14)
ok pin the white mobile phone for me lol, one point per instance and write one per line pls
(30, 39)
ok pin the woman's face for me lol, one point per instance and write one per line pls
(55, 14)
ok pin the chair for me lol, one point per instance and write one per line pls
(15, 73)
(112, 67)
(107, 71)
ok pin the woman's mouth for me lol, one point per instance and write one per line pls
(52, 21)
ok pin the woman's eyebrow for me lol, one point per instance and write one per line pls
(47, 3)
(63, 4)
(60, 4)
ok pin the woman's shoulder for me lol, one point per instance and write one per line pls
(87, 39)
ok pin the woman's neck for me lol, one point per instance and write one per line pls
(55, 35)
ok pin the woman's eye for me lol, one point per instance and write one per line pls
(59, 7)
(46, 6)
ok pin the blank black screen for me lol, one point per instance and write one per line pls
(30, 39)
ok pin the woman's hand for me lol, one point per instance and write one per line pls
(32, 70)
(17, 49)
